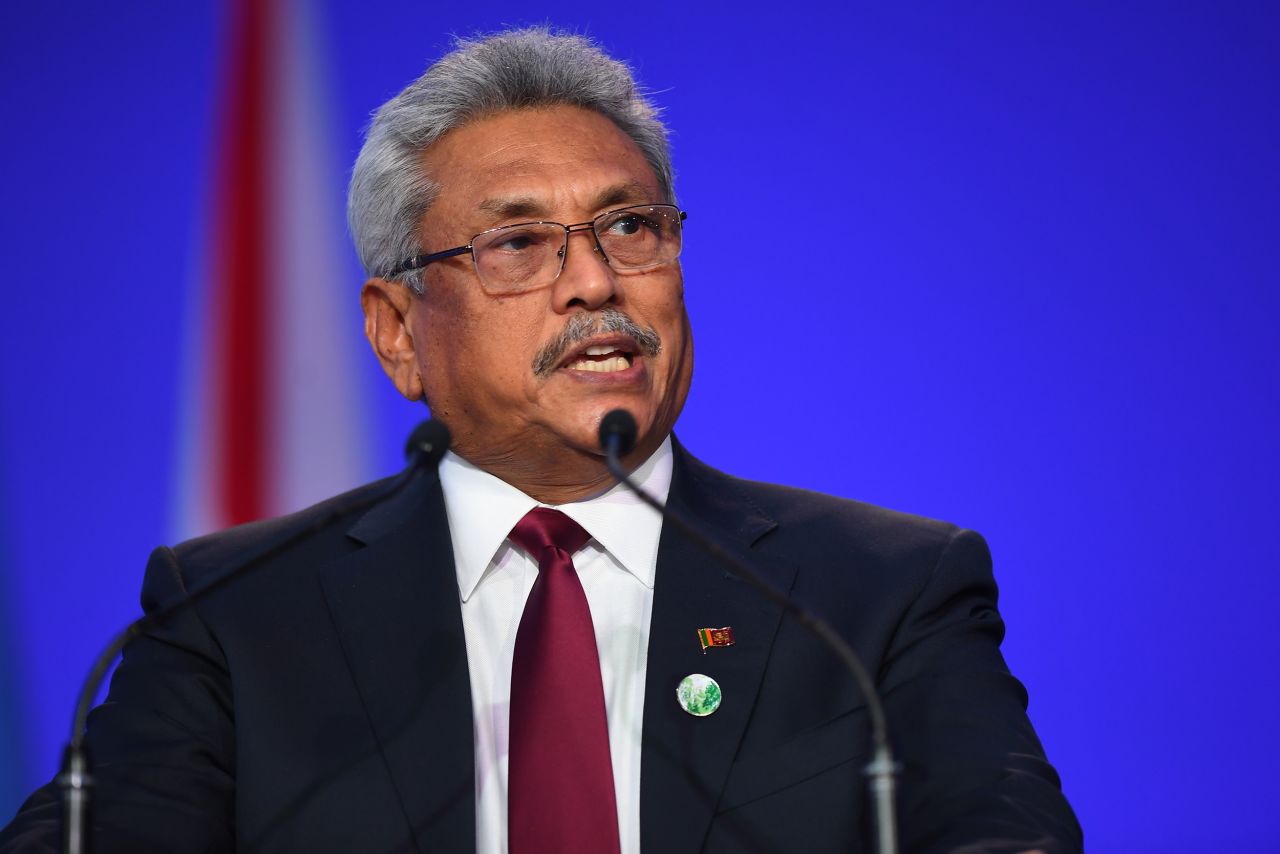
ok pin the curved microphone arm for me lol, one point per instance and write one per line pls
(426, 445)
(617, 436)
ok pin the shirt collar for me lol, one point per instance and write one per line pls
(482, 510)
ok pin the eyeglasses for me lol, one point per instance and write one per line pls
(529, 255)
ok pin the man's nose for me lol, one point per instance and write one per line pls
(586, 280)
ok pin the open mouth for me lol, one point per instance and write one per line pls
(607, 345)
(602, 358)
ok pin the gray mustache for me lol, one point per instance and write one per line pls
(582, 326)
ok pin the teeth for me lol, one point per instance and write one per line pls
(599, 351)
(617, 363)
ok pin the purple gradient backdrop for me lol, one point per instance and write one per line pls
(1013, 266)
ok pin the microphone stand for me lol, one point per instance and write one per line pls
(616, 440)
(427, 444)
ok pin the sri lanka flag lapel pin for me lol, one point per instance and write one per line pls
(715, 638)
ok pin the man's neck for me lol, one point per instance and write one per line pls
(574, 476)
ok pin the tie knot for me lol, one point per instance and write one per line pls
(543, 527)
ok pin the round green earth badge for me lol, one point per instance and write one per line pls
(698, 695)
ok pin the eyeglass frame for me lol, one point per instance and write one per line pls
(418, 262)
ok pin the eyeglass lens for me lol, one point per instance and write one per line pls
(523, 257)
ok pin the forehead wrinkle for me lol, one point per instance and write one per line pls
(511, 207)
(514, 207)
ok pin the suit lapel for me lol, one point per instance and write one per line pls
(395, 605)
(685, 759)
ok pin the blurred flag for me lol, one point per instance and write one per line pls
(271, 421)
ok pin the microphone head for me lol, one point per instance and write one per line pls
(428, 442)
(618, 431)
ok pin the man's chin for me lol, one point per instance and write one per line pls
(581, 435)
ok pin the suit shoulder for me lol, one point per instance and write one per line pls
(322, 526)
(806, 514)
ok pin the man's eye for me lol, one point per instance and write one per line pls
(627, 225)
(520, 241)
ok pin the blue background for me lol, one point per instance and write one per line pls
(1012, 265)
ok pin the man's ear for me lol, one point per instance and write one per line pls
(386, 324)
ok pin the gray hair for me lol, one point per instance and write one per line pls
(533, 67)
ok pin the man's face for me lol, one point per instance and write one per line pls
(477, 354)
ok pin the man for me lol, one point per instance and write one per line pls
(488, 659)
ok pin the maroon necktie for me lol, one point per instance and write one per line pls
(560, 796)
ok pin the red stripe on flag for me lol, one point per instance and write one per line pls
(240, 247)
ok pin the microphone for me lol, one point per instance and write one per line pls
(427, 443)
(617, 434)
(617, 437)
(424, 449)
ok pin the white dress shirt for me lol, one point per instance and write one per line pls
(494, 579)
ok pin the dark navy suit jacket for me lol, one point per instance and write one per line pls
(322, 702)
